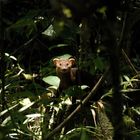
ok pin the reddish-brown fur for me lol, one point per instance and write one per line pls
(65, 72)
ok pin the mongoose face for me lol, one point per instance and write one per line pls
(63, 65)
(64, 72)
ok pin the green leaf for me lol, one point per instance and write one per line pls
(57, 46)
(59, 26)
(5, 111)
(67, 12)
(49, 31)
(26, 104)
(6, 121)
(22, 23)
(83, 87)
(24, 94)
(102, 10)
(84, 135)
(31, 117)
(99, 63)
(126, 78)
(52, 80)
(65, 56)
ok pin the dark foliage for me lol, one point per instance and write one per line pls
(102, 36)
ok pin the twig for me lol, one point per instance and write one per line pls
(120, 41)
(33, 38)
(129, 61)
(91, 93)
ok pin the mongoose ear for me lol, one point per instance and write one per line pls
(55, 60)
(72, 60)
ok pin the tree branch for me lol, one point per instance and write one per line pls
(129, 61)
(91, 93)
